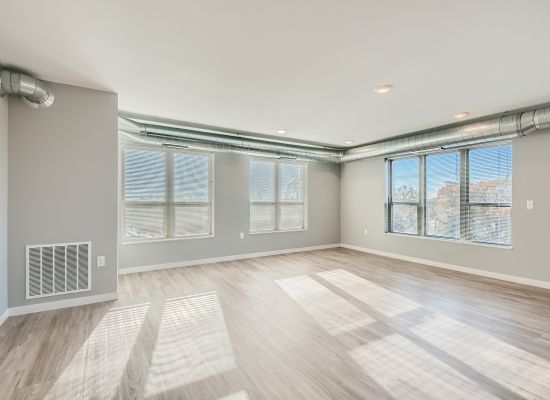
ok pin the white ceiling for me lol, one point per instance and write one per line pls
(309, 66)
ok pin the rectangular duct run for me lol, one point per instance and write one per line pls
(60, 268)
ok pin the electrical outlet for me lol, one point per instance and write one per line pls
(365, 231)
(241, 235)
(101, 261)
(530, 205)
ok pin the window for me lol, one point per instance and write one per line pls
(277, 196)
(443, 195)
(464, 194)
(489, 205)
(405, 195)
(166, 194)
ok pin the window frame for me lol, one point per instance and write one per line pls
(418, 204)
(465, 203)
(169, 204)
(277, 203)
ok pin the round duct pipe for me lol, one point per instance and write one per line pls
(32, 91)
(182, 137)
(491, 130)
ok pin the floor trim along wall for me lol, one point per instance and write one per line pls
(473, 271)
(55, 305)
(155, 267)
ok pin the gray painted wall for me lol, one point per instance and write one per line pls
(63, 182)
(231, 210)
(3, 204)
(362, 199)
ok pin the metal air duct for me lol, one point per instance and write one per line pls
(211, 141)
(34, 92)
(490, 130)
(493, 129)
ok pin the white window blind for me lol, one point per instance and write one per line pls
(443, 195)
(489, 205)
(191, 194)
(145, 180)
(166, 193)
(277, 195)
(262, 195)
(405, 195)
(464, 194)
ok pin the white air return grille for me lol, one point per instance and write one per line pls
(60, 268)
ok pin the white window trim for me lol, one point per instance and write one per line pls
(464, 203)
(276, 201)
(170, 205)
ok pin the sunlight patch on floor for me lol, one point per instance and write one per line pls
(335, 314)
(408, 372)
(381, 299)
(192, 343)
(520, 371)
(242, 395)
(97, 367)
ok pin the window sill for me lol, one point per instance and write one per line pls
(446, 240)
(278, 231)
(176, 239)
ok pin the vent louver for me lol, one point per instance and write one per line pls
(60, 268)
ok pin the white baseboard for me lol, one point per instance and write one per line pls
(473, 271)
(155, 267)
(55, 305)
(4, 317)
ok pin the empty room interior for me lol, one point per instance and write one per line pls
(251, 200)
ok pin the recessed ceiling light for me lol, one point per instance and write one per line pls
(461, 114)
(383, 89)
(348, 142)
(281, 131)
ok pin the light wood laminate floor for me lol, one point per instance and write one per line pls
(328, 324)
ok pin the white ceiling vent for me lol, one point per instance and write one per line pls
(60, 268)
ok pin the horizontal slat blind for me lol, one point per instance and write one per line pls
(277, 195)
(192, 203)
(443, 195)
(262, 181)
(144, 175)
(464, 194)
(291, 196)
(262, 195)
(146, 222)
(405, 180)
(145, 179)
(405, 195)
(190, 178)
(490, 195)
(167, 193)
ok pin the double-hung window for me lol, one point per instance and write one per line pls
(463, 194)
(167, 193)
(489, 195)
(405, 195)
(277, 195)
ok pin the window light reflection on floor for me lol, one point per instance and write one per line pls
(192, 344)
(381, 299)
(520, 371)
(242, 395)
(96, 369)
(335, 314)
(408, 372)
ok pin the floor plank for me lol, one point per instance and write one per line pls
(328, 324)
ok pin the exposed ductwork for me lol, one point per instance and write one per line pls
(490, 130)
(34, 92)
(494, 129)
(200, 140)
